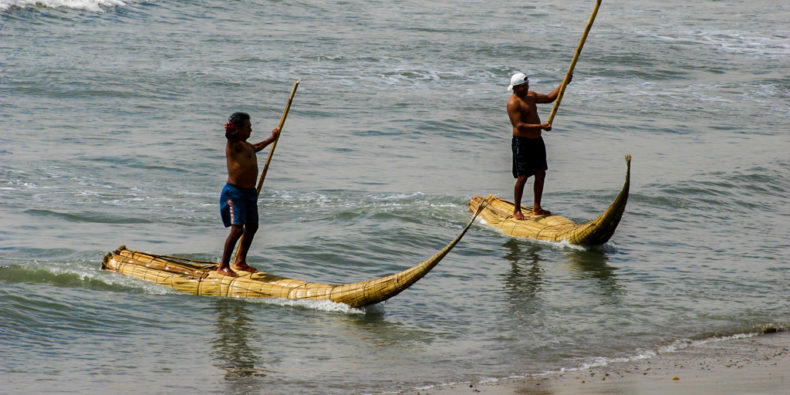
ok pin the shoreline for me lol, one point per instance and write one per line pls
(753, 364)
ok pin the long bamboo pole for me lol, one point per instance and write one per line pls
(573, 63)
(274, 144)
(269, 158)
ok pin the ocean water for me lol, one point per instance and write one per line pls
(111, 117)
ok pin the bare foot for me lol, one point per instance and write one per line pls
(540, 211)
(245, 268)
(517, 215)
(227, 272)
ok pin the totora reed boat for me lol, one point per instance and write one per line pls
(499, 214)
(201, 278)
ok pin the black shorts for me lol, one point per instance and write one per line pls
(529, 156)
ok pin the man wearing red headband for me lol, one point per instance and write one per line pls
(239, 199)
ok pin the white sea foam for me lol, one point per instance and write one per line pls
(322, 305)
(370, 200)
(641, 354)
(737, 42)
(744, 43)
(89, 5)
(603, 361)
(89, 273)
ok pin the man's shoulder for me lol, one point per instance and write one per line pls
(238, 145)
(516, 101)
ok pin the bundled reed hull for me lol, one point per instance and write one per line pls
(201, 278)
(499, 214)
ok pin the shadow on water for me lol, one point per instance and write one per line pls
(377, 333)
(234, 348)
(524, 281)
(593, 264)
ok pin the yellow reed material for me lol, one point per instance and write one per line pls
(197, 277)
(499, 214)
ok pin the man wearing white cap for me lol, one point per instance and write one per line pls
(529, 151)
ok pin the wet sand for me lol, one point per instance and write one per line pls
(751, 365)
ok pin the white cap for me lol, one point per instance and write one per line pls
(517, 79)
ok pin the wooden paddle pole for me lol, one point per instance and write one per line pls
(573, 63)
(269, 158)
(274, 144)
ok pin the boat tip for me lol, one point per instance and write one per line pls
(106, 259)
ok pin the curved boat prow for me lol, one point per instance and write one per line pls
(555, 228)
(600, 230)
(374, 291)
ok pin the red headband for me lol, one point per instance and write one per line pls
(231, 130)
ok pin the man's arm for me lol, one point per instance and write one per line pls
(515, 118)
(259, 146)
(528, 127)
(541, 98)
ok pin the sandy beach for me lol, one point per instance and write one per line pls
(749, 365)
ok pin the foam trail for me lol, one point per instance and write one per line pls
(322, 305)
(88, 5)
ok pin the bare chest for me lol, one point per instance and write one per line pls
(241, 154)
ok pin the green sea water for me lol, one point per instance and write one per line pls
(111, 117)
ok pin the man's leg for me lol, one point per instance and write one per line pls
(518, 191)
(240, 263)
(230, 243)
(540, 177)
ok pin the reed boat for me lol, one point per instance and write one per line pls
(201, 278)
(499, 214)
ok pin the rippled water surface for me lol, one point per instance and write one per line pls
(111, 118)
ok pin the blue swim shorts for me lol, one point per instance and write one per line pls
(238, 206)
